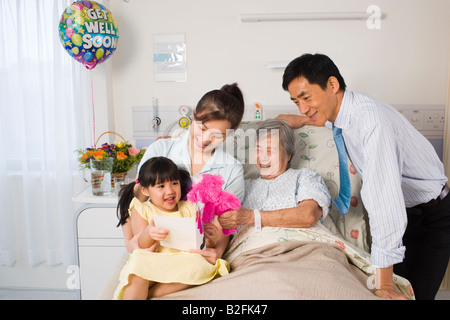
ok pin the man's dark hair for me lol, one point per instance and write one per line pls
(316, 68)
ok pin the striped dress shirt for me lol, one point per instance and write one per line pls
(398, 166)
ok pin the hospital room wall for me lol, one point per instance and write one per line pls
(404, 62)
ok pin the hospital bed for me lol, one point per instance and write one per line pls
(329, 261)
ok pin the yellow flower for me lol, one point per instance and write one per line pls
(119, 144)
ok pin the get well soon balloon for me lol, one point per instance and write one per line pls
(88, 32)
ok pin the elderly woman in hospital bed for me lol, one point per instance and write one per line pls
(288, 197)
(282, 250)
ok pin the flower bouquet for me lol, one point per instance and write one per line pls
(124, 156)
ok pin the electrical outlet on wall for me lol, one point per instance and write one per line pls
(428, 119)
(434, 120)
(416, 119)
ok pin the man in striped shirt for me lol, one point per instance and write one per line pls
(404, 187)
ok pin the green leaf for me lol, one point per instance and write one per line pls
(305, 157)
(303, 135)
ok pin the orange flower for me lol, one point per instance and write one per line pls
(99, 155)
(121, 155)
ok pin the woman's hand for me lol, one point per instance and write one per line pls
(216, 242)
(133, 244)
(210, 254)
(212, 234)
(235, 218)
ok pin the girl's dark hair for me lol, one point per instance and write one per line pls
(316, 68)
(155, 170)
(224, 104)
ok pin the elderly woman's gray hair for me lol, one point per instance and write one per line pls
(285, 134)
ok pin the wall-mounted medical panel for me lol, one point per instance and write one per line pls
(150, 122)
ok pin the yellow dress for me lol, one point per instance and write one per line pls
(168, 264)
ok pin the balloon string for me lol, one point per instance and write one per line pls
(93, 109)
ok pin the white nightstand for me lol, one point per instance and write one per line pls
(100, 243)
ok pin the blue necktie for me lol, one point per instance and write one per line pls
(342, 202)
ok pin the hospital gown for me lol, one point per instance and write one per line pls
(286, 191)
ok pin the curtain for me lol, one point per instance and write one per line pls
(44, 117)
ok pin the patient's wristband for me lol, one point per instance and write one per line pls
(257, 218)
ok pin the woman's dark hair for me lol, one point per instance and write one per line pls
(224, 104)
(316, 68)
(153, 171)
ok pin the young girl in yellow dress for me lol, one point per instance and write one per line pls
(158, 270)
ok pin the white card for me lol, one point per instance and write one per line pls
(184, 234)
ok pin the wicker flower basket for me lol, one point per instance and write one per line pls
(118, 176)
